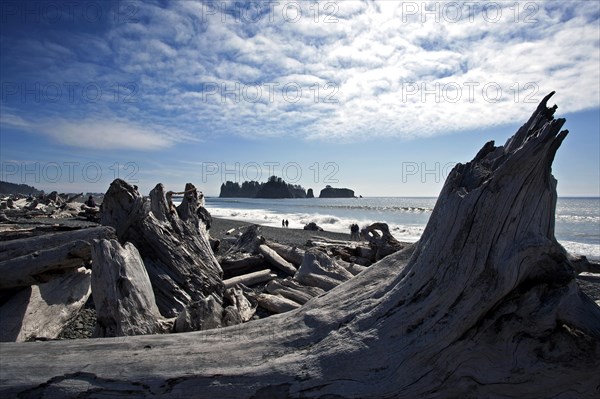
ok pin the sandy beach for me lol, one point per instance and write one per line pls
(288, 236)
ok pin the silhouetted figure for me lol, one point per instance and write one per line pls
(354, 232)
(91, 202)
(287, 224)
(283, 223)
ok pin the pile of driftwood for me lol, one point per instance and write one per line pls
(290, 276)
(45, 280)
(53, 205)
(152, 269)
(484, 305)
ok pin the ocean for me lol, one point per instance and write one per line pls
(577, 219)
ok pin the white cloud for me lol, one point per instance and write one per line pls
(374, 53)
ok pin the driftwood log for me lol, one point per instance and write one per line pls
(248, 242)
(242, 264)
(319, 270)
(291, 254)
(250, 279)
(176, 252)
(381, 240)
(24, 246)
(276, 303)
(486, 305)
(35, 268)
(122, 292)
(276, 261)
(290, 289)
(42, 311)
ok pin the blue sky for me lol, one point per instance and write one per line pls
(379, 96)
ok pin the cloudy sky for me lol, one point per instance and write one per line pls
(379, 96)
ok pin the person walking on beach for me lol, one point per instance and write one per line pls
(287, 224)
(283, 223)
(354, 232)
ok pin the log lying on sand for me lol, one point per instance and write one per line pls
(176, 252)
(39, 267)
(276, 304)
(485, 305)
(292, 290)
(42, 311)
(291, 254)
(250, 279)
(242, 264)
(582, 265)
(24, 246)
(276, 261)
(122, 292)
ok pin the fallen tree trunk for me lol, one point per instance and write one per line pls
(484, 305)
(276, 261)
(24, 246)
(250, 279)
(582, 265)
(122, 292)
(276, 304)
(292, 290)
(40, 266)
(237, 266)
(42, 311)
(291, 254)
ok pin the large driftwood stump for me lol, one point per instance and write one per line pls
(486, 306)
(122, 292)
(176, 252)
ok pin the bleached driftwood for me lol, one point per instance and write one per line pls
(241, 265)
(42, 311)
(319, 270)
(356, 268)
(290, 289)
(485, 305)
(250, 279)
(245, 308)
(24, 246)
(122, 292)
(381, 240)
(248, 242)
(40, 266)
(204, 314)
(177, 255)
(293, 255)
(582, 265)
(276, 304)
(276, 261)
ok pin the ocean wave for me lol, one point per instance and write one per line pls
(379, 208)
(579, 218)
(591, 251)
(578, 239)
(409, 233)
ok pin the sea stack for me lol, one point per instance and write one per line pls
(330, 192)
